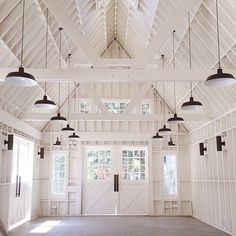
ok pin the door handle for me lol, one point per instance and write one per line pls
(17, 185)
(116, 183)
(19, 190)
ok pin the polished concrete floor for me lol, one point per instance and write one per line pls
(116, 226)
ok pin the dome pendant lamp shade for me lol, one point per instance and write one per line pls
(191, 105)
(45, 103)
(20, 78)
(57, 143)
(58, 118)
(220, 79)
(67, 129)
(175, 119)
(164, 130)
(74, 136)
(157, 136)
(171, 143)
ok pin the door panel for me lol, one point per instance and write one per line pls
(125, 191)
(20, 200)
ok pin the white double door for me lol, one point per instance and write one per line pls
(115, 181)
(21, 182)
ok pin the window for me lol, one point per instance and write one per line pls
(146, 108)
(134, 164)
(58, 173)
(116, 107)
(99, 164)
(84, 106)
(170, 175)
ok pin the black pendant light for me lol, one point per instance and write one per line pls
(191, 105)
(175, 119)
(171, 143)
(74, 136)
(156, 136)
(57, 143)
(68, 128)
(220, 79)
(45, 103)
(58, 117)
(21, 78)
(164, 130)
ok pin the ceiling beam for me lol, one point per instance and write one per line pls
(112, 117)
(74, 31)
(161, 37)
(115, 75)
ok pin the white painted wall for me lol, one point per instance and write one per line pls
(214, 176)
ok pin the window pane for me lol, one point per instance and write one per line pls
(170, 175)
(58, 173)
(99, 164)
(146, 108)
(84, 106)
(133, 164)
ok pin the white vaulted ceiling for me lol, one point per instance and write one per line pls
(140, 29)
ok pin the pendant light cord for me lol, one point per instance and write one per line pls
(174, 67)
(60, 29)
(190, 51)
(175, 97)
(68, 102)
(46, 61)
(22, 33)
(218, 32)
(163, 87)
(174, 49)
(164, 102)
(59, 99)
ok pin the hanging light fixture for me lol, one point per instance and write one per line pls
(57, 143)
(191, 105)
(68, 128)
(175, 119)
(171, 143)
(21, 78)
(220, 79)
(58, 117)
(45, 103)
(164, 130)
(74, 136)
(156, 136)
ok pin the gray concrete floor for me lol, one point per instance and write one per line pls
(116, 226)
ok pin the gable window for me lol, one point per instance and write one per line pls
(145, 108)
(170, 174)
(116, 106)
(58, 173)
(84, 106)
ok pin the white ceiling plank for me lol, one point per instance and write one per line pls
(112, 117)
(159, 40)
(75, 32)
(7, 8)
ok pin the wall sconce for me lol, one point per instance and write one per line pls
(9, 142)
(220, 142)
(203, 148)
(41, 153)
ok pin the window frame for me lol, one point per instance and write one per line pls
(170, 196)
(127, 101)
(151, 106)
(86, 150)
(53, 155)
(134, 148)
